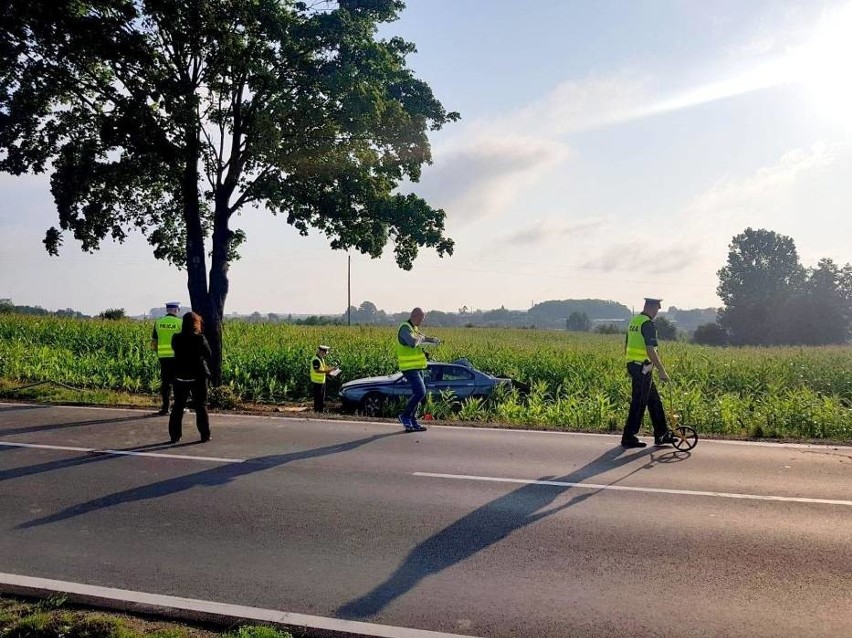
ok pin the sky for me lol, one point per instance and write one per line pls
(607, 149)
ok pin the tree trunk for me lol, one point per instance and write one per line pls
(204, 301)
(218, 283)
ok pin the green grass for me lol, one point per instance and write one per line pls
(49, 618)
(578, 380)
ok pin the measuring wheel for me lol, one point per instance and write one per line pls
(685, 437)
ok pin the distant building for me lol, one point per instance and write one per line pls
(614, 322)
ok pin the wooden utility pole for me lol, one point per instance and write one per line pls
(349, 291)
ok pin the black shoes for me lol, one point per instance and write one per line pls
(667, 439)
(411, 424)
(414, 426)
(204, 439)
(163, 411)
(633, 443)
(177, 440)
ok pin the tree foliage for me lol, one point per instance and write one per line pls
(666, 330)
(762, 266)
(770, 298)
(170, 116)
(689, 320)
(710, 334)
(609, 329)
(112, 314)
(8, 307)
(578, 322)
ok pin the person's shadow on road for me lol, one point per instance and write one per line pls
(95, 456)
(59, 426)
(490, 524)
(219, 475)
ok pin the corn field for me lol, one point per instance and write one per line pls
(577, 380)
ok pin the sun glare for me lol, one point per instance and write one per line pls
(823, 66)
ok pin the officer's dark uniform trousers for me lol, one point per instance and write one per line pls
(644, 395)
(319, 396)
(167, 379)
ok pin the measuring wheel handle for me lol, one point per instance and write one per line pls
(685, 437)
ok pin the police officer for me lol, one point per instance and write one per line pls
(161, 341)
(412, 363)
(319, 371)
(642, 358)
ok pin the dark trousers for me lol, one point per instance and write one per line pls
(319, 396)
(198, 389)
(167, 379)
(418, 392)
(643, 395)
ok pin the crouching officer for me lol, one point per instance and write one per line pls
(319, 371)
(161, 341)
(642, 358)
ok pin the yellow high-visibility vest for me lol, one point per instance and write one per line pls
(318, 376)
(166, 327)
(636, 348)
(408, 357)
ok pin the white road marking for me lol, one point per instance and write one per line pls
(652, 490)
(451, 426)
(214, 459)
(128, 600)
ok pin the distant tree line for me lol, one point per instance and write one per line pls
(583, 315)
(8, 307)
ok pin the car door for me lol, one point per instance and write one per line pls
(432, 378)
(458, 379)
(400, 389)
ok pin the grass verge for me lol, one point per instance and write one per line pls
(439, 409)
(53, 618)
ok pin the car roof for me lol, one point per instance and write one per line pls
(464, 363)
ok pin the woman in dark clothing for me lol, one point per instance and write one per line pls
(192, 365)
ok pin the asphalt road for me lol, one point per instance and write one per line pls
(361, 521)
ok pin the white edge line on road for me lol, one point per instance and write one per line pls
(186, 457)
(295, 417)
(234, 612)
(652, 490)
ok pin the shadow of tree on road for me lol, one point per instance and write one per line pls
(215, 476)
(490, 524)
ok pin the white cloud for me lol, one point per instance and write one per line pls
(645, 256)
(490, 161)
(709, 220)
(582, 105)
(759, 195)
(542, 231)
(485, 175)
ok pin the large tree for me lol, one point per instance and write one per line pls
(170, 116)
(763, 270)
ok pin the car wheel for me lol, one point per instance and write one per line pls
(372, 404)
